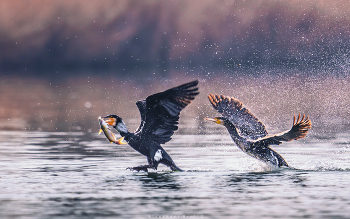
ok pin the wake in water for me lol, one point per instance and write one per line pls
(324, 165)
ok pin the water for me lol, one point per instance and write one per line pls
(81, 175)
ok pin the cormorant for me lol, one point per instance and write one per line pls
(250, 134)
(159, 119)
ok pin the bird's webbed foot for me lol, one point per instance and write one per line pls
(139, 168)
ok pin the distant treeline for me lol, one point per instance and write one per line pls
(159, 36)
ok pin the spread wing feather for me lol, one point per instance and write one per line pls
(232, 109)
(162, 111)
(141, 105)
(300, 127)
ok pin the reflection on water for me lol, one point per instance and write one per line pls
(160, 181)
(52, 175)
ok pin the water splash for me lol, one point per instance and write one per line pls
(325, 165)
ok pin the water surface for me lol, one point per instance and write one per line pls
(81, 175)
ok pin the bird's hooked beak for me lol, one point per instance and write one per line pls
(110, 121)
(216, 120)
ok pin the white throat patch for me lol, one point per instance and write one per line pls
(158, 156)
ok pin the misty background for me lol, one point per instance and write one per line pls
(64, 63)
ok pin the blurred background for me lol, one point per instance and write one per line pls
(64, 63)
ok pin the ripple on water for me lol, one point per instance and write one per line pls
(48, 175)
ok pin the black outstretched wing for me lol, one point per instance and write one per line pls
(141, 104)
(299, 130)
(245, 122)
(163, 110)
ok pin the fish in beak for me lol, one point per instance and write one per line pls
(110, 136)
(110, 121)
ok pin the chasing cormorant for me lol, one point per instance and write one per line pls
(159, 119)
(250, 134)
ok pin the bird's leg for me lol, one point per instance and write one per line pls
(151, 164)
(139, 168)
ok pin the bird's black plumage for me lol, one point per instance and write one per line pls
(250, 134)
(159, 119)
